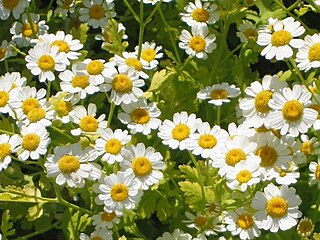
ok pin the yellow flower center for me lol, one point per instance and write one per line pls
(148, 55)
(200, 15)
(282, 173)
(26, 29)
(141, 166)
(88, 124)
(234, 156)
(10, 4)
(261, 101)
(81, 81)
(197, 43)
(314, 89)
(140, 116)
(277, 207)
(68, 164)
(46, 63)
(250, 33)
(66, 4)
(30, 142)
(219, 94)
(108, 217)
(97, 12)
(245, 221)
(268, 156)
(317, 172)
(28, 104)
(200, 221)
(180, 132)
(317, 108)
(2, 53)
(95, 67)
(292, 110)
(5, 150)
(113, 146)
(281, 38)
(121, 83)
(96, 238)
(133, 62)
(36, 114)
(119, 192)
(305, 227)
(63, 108)
(4, 97)
(261, 129)
(307, 148)
(63, 46)
(207, 141)
(244, 176)
(314, 52)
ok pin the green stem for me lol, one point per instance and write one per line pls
(231, 53)
(48, 90)
(48, 200)
(218, 114)
(62, 133)
(294, 5)
(153, 12)
(34, 33)
(135, 15)
(6, 132)
(141, 30)
(311, 2)
(199, 174)
(18, 50)
(6, 65)
(49, 6)
(25, 237)
(112, 107)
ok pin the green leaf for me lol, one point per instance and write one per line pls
(189, 172)
(193, 195)
(35, 212)
(163, 208)
(28, 194)
(6, 225)
(80, 33)
(159, 78)
(286, 76)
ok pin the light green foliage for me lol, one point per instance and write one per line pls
(6, 225)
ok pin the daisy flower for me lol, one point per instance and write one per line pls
(86, 120)
(198, 13)
(310, 146)
(95, 12)
(64, 7)
(279, 41)
(143, 163)
(34, 142)
(7, 95)
(153, 2)
(8, 145)
(207, 141)
(276, 208)
(175, 133)
(232, 152)
(111, 145)
(290, 112)
(198, 43)
(247, 31)
(305, 227)
(219, 93)
(6, 50)
(15, 79)
(118, 192)
(176, 235)
(124, 86)
(98, 234)
(294, 146)
(285, 175)
(316, 106)
(105, 37)
(315, 173)
(240, 130)
(255, 106)
(105, 220)
(243, 175)
(150, 54)
(241, 222)
(140, 116)
(71, 165)
(308, 55)
(15, 6)
(43, 60)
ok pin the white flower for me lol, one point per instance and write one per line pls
(310, 146)
(6, 50)
(86, 120)
(43, 60)
(243, 223)
(255, 106)
(316, 106)
(196, 13)
(294, 146)
(276, 208)
(176, 235)
(175, 133)
(278, 41)
(34, 142)
(305, 226)
(95, 12)
(105, 220)
(140, 116)
(153, 2)
(8, 145)
(64, 6)
(143, 163)
(98, 234)
(308, 56)
(15, 79)
(315, 173)
(150, 54)
(247, 31)
(110, 144)
(285, 175)
(15, 6)
(7, 95)
(199, 43)
(71, 165)
(117, 192)
(219, 93)
(240, 130)
(290, 111)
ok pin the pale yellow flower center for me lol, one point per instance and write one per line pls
(119, 192)
(200, 15)
(10, 4)
(2, 53)
(317, 108)
(282, 173)
(245, 221)
(148, 54)
(307, 148)
(46, 63)
(207, 141)
(268, 156)
(95, 67)
(30, 142)
(5, 150)
(97, 12)
(68, 164)
(250, 33)
(88, 124)
(113, 146)
(218, 94)
(140, 116)
(197, 43)
(317, 172)
(63, 108)
(81, 81)
(26, 29)
(121, 83)
(305, 227)
(180, 132)
(36, 114)
(292, 110)
(141, 166)
(244, 176)
(133, 62)
(261, 129)
(261, 101)
(62, 45)
(234, 156)
(96, 238)
(28, 104)
(108, 217)
(277, 207)
(314, 52)
(281, 38)
(4, 97)
(200, 221)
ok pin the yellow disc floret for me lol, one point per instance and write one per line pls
(200, 221)
(36, 114)
(281, 38)
(28, 104)
(121, 83)
(250, 33)
(207, 141)
(30, 142)
(244, 176)
(26, 29)
(277, 207)
(307, 148)
(292, 110)
(180, 132)
(140, 116)
(46, 63)
(108, 217)
(245, 221)
(113, 146)
(4, 97)
(62, 45)
(119, 192)
(68, 164)
(81, 81)
(261, 101)
(197, 43)
(314, 52)
(268, 156)
(218, 94)
(63, 108)
(5, 150)
(10, 4)
(200, 15)
(97, 12)
(141, 166)
(133, 62)
(148, 54)
(3, 52)
(317, 172)
(95, 67)
(88, 124)
(234, 156)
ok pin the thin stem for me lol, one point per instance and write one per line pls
(141, 30)
(311, 2)
(18, 50)
(49, 6)
(6, 65)
(153, 12)
(218, 114)
(25, 237)
(199, 174)
(231, 53)
(48, 90)
(112, 107)
(48, 200)
(62, 133)
(7, 132)
(135, 15)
